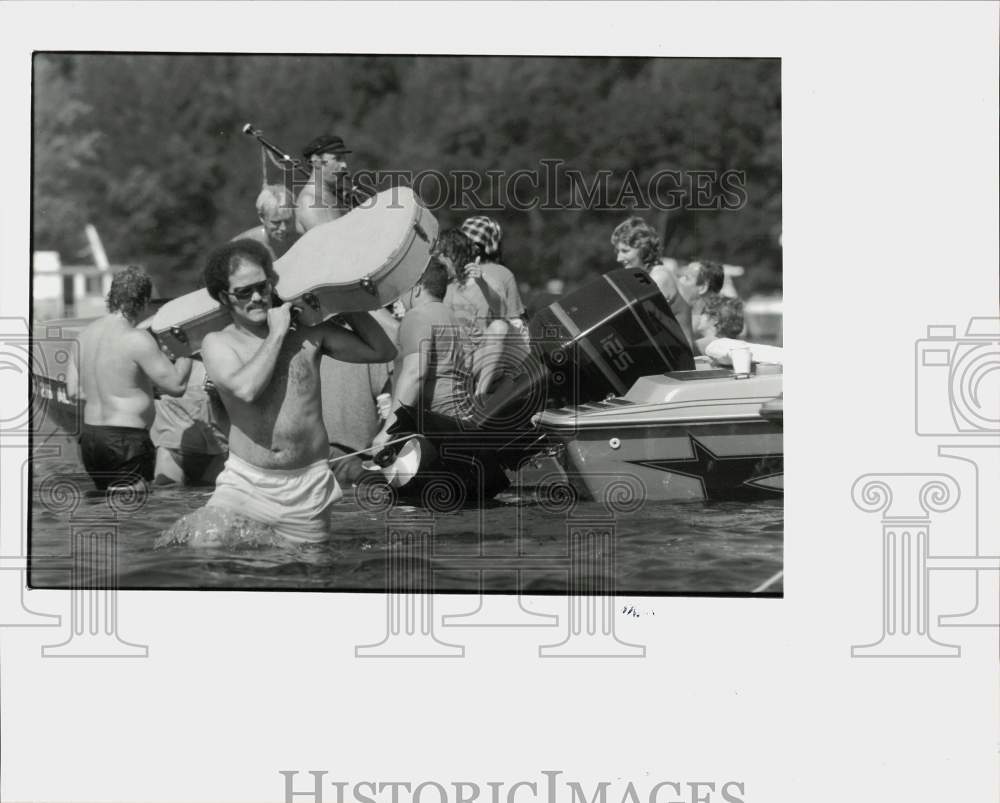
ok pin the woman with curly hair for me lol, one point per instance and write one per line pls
(637, 247)
(636, 244)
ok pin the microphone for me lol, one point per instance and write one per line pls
(274, 149)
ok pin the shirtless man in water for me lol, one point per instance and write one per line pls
(119, 365)
(267, 374)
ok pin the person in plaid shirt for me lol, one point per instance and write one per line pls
(485, 297)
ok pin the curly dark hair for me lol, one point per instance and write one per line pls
(711, 274)
(224, 260)
(637, 233)
(455, 244)
(435, 279)
(130, 292)
(727, 314)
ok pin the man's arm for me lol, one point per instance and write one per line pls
(246, 381)
(414, 341)
(496, 303)
(170, 377)
(512, 298)
(367, 343)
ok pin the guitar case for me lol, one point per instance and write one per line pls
(359, 262)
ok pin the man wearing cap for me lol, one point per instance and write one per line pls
(326, 195)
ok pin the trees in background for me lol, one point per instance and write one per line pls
(149, 148)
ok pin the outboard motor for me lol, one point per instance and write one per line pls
(593, 343)
(590, 344)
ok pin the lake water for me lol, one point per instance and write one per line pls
(520, 541)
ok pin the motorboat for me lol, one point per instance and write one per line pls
(705, 434)
(613, 392)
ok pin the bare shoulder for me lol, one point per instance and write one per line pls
(256, 233)
(664, 279)
(139, 341)
(222, 339)
(497, 271)
(417, 317)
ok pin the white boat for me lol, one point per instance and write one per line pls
(705, 434)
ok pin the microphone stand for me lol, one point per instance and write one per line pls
(352, 195)
(296, 164)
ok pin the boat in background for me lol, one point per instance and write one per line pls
(706, 434)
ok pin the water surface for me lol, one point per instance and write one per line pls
(520, 541)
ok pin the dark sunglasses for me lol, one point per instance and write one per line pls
(246, 293)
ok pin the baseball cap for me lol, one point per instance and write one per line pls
(325, 143)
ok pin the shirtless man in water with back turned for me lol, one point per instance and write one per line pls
(119, 365)
(267, 375)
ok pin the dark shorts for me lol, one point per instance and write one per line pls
(117, 455)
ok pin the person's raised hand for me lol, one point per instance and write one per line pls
(279, 319)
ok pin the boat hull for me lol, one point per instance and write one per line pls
(686, 436)
(737, 460)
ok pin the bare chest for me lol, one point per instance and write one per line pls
(296, 368)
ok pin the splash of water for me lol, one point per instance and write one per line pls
(218, 527)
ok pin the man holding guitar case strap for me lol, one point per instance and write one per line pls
(267, 374)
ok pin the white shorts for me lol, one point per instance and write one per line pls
(295, 502)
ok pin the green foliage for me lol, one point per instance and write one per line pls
(149, 149)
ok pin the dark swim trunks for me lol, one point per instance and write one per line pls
(117, 455)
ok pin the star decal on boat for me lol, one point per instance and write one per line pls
(738, 477)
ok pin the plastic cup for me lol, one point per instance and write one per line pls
(741, 361)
